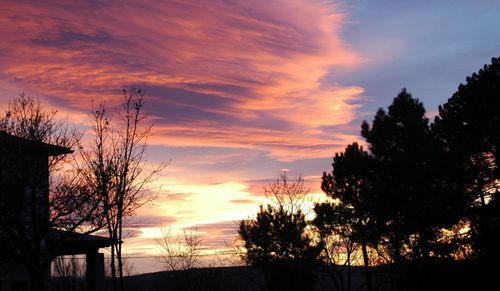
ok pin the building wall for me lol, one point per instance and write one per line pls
(24, 179)
(24, 210)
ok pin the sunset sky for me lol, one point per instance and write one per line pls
(240, 90)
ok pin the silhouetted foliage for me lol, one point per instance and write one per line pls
(410, 205)
(351, 216)
(468, 126)
(278, 241)
(339, 250)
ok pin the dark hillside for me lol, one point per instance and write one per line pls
(445, 275)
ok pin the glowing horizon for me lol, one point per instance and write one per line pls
(239, 90)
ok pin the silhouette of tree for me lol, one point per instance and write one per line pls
(417, 208)
(69, 272)
(29, 215)
(399, 140)
(468, 125)
(180, 255)
(351, 216)
(179, 252)
(26, 118)
(114, 166)
(411, 203)
(422, 186)
(277, 240)
(339, 251)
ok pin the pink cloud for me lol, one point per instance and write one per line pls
(217, 235)
(262, 59)
(282, 145)
(245, 78)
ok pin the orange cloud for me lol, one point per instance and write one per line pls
(246, 78)
(280, 144)
(262, 59)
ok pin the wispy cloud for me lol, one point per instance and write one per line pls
(219, 73)
(238, 89)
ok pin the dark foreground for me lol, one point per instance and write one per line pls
(450, 275)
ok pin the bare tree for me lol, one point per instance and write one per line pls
(179, 252)
(114, 164)
(289, 195)
(68, 270)
(26, 118)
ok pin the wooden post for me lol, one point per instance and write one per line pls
(94, 270)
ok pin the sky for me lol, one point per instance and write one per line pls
(239, 91)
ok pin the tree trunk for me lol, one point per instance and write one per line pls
(120, 266)
(397, 273)
(367, 267)
(119, 246)
(349, 275)
(113, 268)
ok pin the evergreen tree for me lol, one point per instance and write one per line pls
(468, 126)
(408, 206)
(277, 239)
(350, 185)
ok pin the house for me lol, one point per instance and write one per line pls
(28, 243)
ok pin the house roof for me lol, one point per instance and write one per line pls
(10, 141)
(72, 243)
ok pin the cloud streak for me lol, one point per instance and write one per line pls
(237, 89)
(219, 73)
